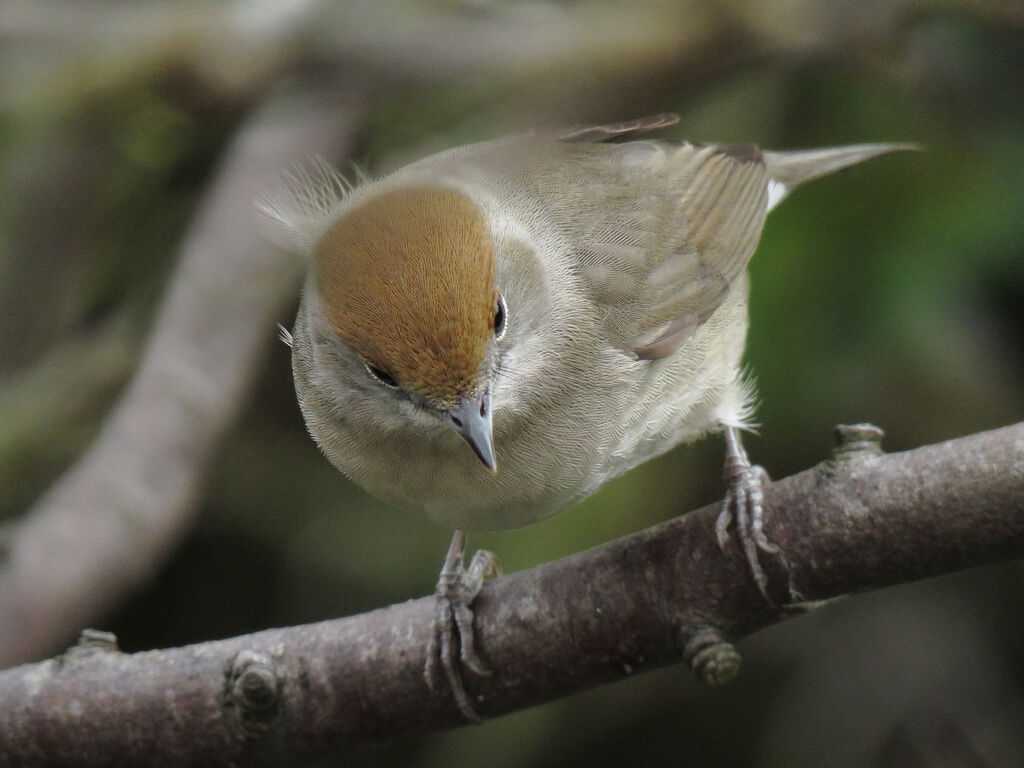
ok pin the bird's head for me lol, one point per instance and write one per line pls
(407, 280)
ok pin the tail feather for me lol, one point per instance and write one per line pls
(788, 170)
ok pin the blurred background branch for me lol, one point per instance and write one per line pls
(893, 294)
(858, 521)
(112, 519)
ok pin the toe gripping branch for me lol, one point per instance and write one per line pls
(743, 507)
(457, 588)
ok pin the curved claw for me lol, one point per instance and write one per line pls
(457, 587)
(743, 507)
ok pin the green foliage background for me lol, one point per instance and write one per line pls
(892, 293)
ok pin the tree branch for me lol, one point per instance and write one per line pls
(110, 521)
(861, 520)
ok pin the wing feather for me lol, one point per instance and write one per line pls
(611, 131)
(662, 230)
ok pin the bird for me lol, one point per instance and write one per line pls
(489, 334)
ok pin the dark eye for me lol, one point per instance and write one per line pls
(500, 317)
(382, 376)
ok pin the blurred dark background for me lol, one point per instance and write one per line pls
(892, 292)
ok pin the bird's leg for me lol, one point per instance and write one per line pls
(457, 587)
(744, 507)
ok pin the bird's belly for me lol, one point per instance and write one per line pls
(445, 481)
(545, 465)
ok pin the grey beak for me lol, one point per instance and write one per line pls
(472, 420)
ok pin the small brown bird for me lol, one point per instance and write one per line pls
(568, 304)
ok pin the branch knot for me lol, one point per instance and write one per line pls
(253, 687)
(713, 658)
(91, 642)
(857, 440)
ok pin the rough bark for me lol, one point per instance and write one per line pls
(861, 520)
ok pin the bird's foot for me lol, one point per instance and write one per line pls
(452, 640)
(743, 508)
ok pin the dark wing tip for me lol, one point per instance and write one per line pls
(611, 131)
(745, 153)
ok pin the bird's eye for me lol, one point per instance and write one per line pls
(382, 376)
(500, 317)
